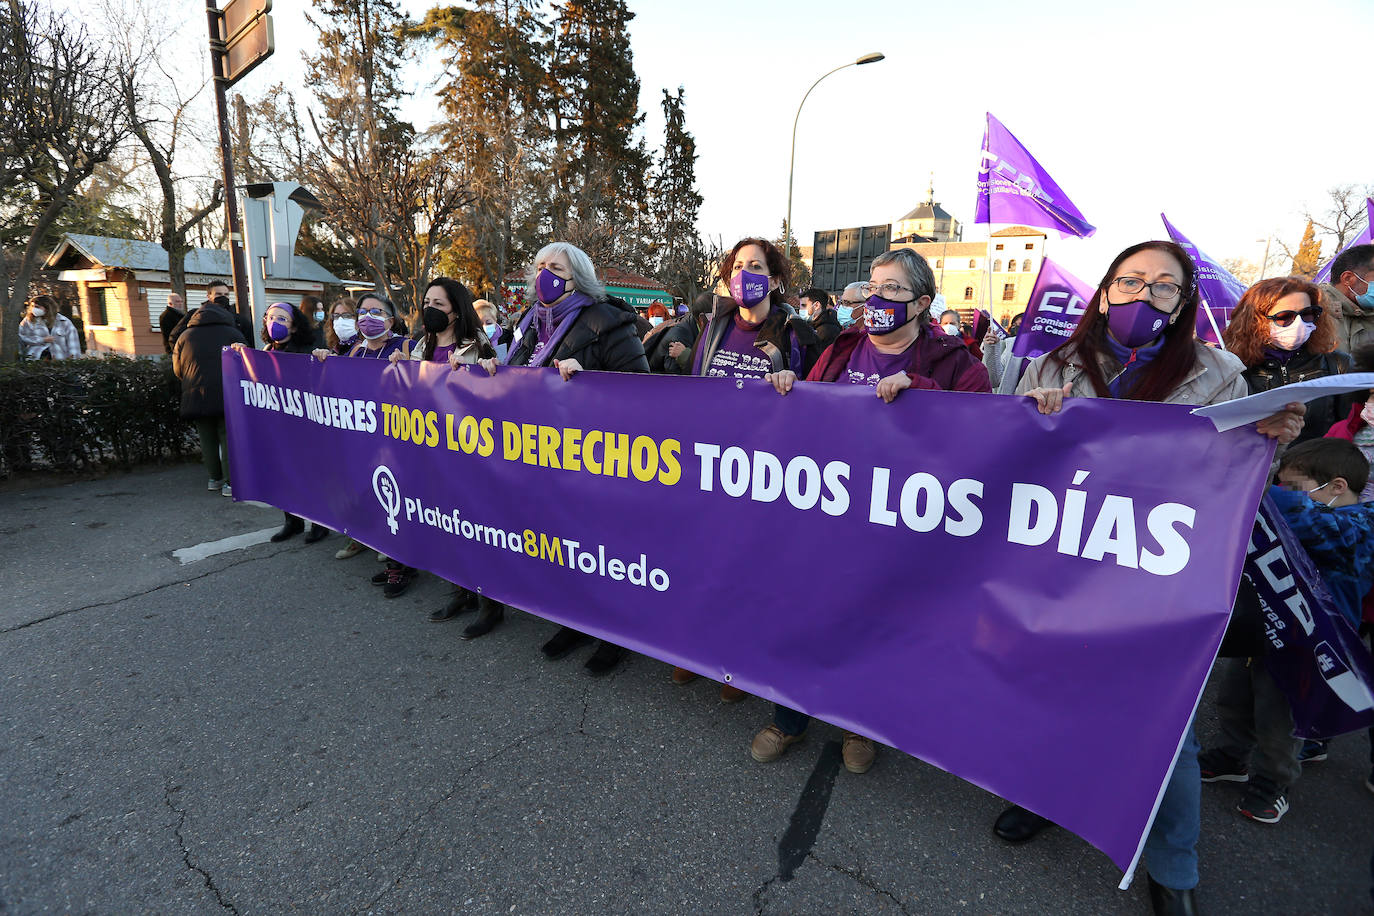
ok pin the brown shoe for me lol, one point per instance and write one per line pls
(731, 694)
(858, 753)
(769, 744)
(683, 676)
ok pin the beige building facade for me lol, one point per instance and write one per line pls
(962, 271)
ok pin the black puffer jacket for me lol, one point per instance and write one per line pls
(681, 330)
(602, 338)
(827, 328)
(1303, 366)
(196, 361)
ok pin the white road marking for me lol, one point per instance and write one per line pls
(223, 545)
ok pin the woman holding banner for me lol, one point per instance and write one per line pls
(896, 348)
(572, 325)
(1281, 333)
(751, 334)
(1135, 341)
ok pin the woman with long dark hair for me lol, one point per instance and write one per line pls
(1136, 342)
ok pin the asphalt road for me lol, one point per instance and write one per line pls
(260, 732)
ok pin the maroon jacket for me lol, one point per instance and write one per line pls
(937, 361)
(1347, 428)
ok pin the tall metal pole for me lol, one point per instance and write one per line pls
(792, 161)
(242, 295)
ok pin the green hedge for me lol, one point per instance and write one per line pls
(80, 415)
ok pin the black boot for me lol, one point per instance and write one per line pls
(605, 658)
(459, 602)
(1016, 824)
(563, 642)
(316, 533)
(293, 526)
(489, 614)
(1166, 901)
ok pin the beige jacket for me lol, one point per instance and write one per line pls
(1354, 325)
(467, 350)
(1217, 377)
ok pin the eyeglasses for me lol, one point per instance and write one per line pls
(1285, 318)
(1160, 289)
(886, 290)
(373, 313)
(851, 302)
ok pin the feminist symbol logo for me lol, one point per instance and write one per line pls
(388, 494)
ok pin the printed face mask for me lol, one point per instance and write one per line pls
(883, 316)
(1135, 324)
(1291, 337)
(435, 320)
(748, 288)
(345, 328)
(372, 327)
(278, 331)
(549, 287)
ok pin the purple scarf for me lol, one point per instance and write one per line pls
(1133, 363)
(550, 324)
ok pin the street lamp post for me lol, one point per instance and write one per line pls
(872, 58)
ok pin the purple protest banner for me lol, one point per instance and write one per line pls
(1056, 305)
(1315, 655)
(1013, 188)
(1109, 540)
(1219, 288)
(1363, 238)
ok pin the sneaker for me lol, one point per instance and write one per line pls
(1217, 766)
(381, 557)
(226, 490)
(214, 485)
(1312, 752)
(1263, 806)
(769, 744)
(349, 550)
(858, 753)
(381, 577)
(397, 581)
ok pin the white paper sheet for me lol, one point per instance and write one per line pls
(1258, 406)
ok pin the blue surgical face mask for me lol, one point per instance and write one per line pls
(844, 313)
(1315, 500)
(1365, 300)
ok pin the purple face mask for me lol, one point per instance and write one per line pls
(278, 330)
(371, 327)
(883, 316)
(1135, 324)
(748, 288)
(549, 286)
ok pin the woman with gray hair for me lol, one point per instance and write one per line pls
(894, 349)
(571, 325)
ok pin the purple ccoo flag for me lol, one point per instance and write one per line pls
(1219, 288)
(1013, 188)
(1056, 305)
(1364, 238)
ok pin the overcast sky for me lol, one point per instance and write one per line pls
(1228, 117)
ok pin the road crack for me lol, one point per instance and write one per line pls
(186, 852)
(858, 875)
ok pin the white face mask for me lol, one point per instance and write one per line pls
(345, 328)
(39, 313)
(951, 329)
(1291, 337)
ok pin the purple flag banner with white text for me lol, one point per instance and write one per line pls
(1108, 538)
(1056, 306)
(1362, 238)
(1219, 288)
(1014, 188)
(1315, 655)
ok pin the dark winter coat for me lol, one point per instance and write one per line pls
(602, 337)
(1270, 373)
(196, 361)
(827, 328)
(244, 326)
(166, 323)
(683, 330)
(786, 339)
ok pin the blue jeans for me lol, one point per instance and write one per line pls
(1171, 847)
(789, 721)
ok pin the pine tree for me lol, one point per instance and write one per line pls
(801, 274)
(600, 198)
(674, 203)
(496, 99)
(1309, 256)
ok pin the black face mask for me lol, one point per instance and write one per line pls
(435, 320)
(222, 302)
